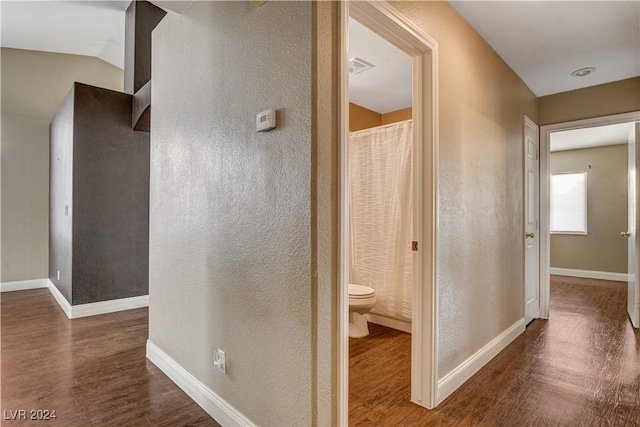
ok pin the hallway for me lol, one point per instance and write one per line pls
(91, 371)
(579, 368)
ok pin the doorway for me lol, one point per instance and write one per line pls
(577, 180)
(381, 259)
(385, 21)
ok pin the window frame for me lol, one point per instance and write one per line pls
(586, 203)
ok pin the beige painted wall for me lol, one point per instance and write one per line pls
(396, 116)
(602, 249)
(231, 209)
(33, 87)
(362, 118)
(603, 100)
(482, 103)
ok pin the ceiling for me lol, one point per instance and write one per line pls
(590, 137)
(92, 28)
(88, 27)
(387, 86)
(544, 41)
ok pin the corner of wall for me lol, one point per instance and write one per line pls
(325, 215)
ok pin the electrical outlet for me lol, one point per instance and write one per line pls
(219, 360)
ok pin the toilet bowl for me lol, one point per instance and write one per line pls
(361, 301)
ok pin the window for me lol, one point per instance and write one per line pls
(569, 203)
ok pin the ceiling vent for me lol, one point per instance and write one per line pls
(359, 65)
(583, 72)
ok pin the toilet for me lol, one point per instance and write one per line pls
(361, 301)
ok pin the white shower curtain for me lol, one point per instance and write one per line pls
(381, 215)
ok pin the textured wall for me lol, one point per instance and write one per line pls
(482, 102)
(34, 84)
(230, 219)
(603, 100)
(602, 249)
(61, 196)
(110, 198)
(100, 170)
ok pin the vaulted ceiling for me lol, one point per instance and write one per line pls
(542, 41)
(89, 27)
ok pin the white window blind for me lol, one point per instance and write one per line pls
(569, 203)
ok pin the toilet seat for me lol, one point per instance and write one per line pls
(361, 300)
(360, 292)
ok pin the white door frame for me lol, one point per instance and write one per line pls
(632, 226)
(395, 28)
(545, 212)
(529, 123)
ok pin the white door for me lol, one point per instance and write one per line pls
(531, 220)
(633, 293)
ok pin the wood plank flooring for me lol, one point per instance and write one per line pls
(579, 368)
(92, 371)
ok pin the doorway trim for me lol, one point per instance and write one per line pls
(545, 192)
(528, 123)
(395, 28)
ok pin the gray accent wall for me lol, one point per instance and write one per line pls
(230, 226)
(108, 201)
(141, 18)
(111, 198)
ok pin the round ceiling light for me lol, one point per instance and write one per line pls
(583, 72)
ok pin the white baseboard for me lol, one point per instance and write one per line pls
(23, 285)
(214, 405)
(60, 299)
(454, 379)
(590, 274)
(389, 322)
(111, 306)
(96, 308)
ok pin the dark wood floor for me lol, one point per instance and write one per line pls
(92, 371)
(579, 368)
